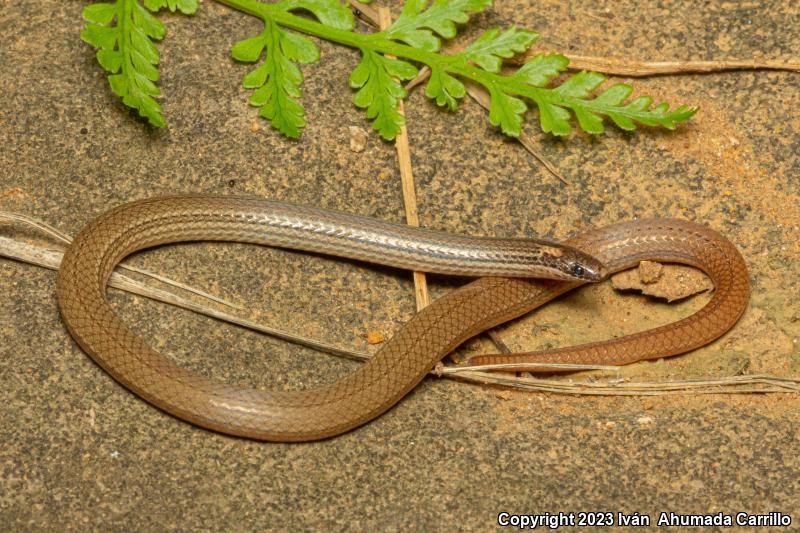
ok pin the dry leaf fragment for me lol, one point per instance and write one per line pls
(650, 271)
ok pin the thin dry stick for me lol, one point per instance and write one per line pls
(51, 259)
(424, 74)
(480, 95)
(381, 19)
(410, 196)
(637, 69)
(725, 385)
(47, 229)
(38, 255)
(407, 180)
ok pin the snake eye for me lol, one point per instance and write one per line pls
(578, 271)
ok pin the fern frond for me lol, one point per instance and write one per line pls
(575, 95)
(379, 91)
(123, 32)
(277, 80)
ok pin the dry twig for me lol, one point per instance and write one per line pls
(640, 69)
(407, 180)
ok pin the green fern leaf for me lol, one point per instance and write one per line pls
(187, 7)
(541, 69)
(376, 79)
(506, 111)
(444, 89)
(126, 51)
(416, 25)
(100, 13)
(489, 50)
(277, 80)
(574, 94)
(123, 32)
(581, 84)
(329, 12)
(555, 119)
(612, 97)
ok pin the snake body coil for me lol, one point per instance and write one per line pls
(406, 358)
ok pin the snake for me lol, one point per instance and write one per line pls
(513, 276)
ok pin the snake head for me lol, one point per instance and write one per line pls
(580, 266)
(566, 263)
(562, 262)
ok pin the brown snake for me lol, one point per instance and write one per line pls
(430, 335)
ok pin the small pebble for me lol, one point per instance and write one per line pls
(358, 139)
(375, 337)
